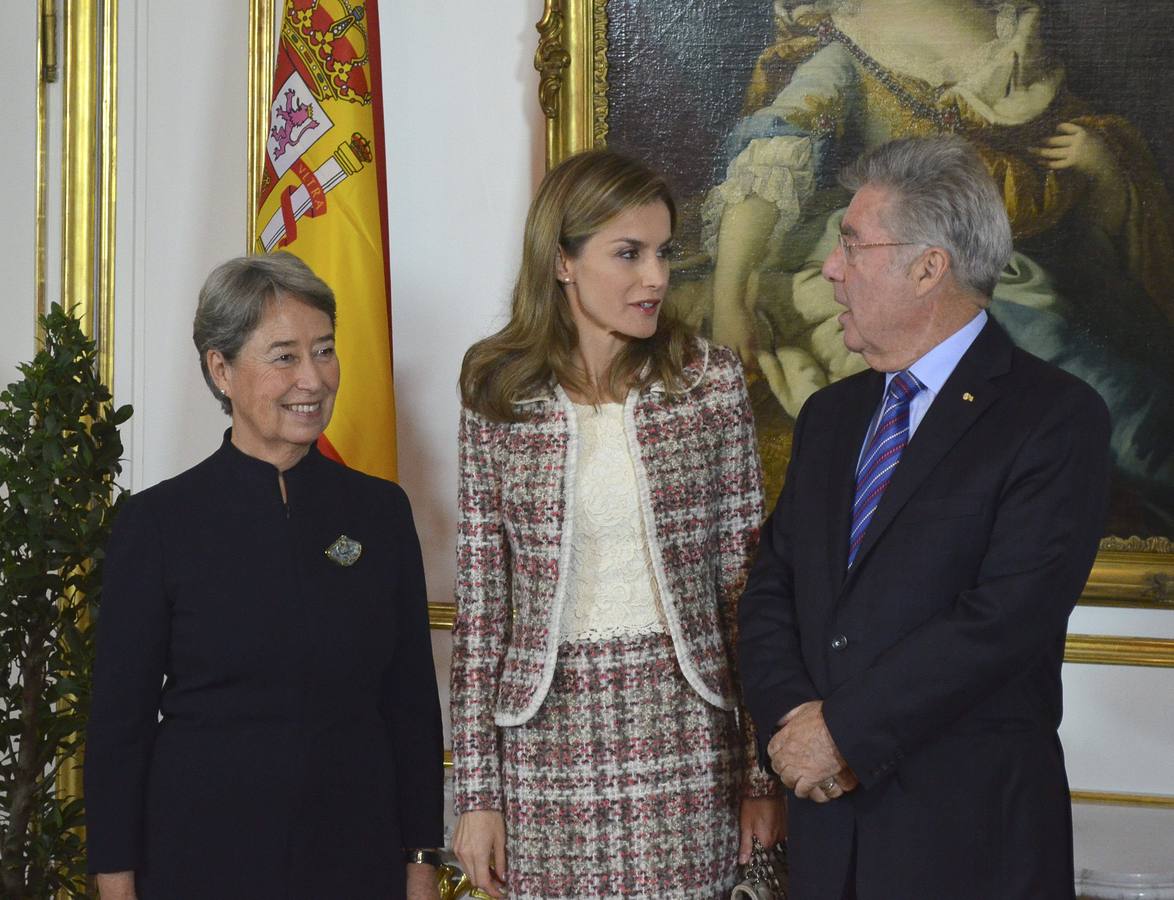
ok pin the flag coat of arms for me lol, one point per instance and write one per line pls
(323, 197)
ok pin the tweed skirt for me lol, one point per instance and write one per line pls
(625, 783)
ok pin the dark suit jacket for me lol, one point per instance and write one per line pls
(265, 722)
(938, 656)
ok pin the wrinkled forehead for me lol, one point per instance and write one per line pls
(868, 215)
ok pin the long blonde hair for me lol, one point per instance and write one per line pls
(576, 199)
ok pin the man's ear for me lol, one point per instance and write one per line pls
(930, 269)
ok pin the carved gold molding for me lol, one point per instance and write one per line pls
(1138, 544)
(551, 58)
(572, 63)
(1133, 578)
(599, 73)
(1112, 798)
(262, 53)
(1099, 649)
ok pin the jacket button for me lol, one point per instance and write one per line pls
(839, 642)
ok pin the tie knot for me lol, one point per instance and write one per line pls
(904, 385)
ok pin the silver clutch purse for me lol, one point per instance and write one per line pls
(765, 876)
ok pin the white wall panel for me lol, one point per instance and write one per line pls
(18, 66)
(182, 208)
(1122, 621)
(465, 149)
(1123, 839)
(1118, 729)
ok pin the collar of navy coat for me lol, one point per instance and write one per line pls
(945, 422)
(259, 478)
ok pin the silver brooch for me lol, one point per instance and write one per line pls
(344, 551)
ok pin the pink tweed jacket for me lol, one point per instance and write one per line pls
(700, 487)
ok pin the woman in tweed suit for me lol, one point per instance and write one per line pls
(610, 499)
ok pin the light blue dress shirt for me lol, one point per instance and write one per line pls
(932, 370)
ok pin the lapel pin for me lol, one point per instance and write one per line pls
(344, 551)
(968, 397)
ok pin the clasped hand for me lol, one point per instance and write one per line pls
(805, 756)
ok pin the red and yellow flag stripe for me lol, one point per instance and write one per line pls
(323, 197)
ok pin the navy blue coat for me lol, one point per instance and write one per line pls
(938, 655)
(265, 722)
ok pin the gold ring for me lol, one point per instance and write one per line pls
(828, 783)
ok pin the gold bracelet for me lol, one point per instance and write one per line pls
(421, 856)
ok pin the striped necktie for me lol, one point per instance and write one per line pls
(881, 456)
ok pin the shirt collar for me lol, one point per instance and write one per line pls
(938, 364)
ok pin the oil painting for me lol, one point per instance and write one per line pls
(752, 107)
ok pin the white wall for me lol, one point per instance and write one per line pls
(182, 208)
(465, 148)
(465, 151)
(465, 141)
(18, 66)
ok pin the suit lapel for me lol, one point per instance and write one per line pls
(851, 427)
(964, 397)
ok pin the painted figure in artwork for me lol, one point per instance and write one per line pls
(1089, 285)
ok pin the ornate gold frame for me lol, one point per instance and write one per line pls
(571, 60)
(1110, 650)
(262, 49)
(88, 169)
(1113, 798)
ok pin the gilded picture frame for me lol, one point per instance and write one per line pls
(608, 74)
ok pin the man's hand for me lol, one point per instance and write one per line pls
(804, 755)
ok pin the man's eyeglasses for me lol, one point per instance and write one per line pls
(850, 247)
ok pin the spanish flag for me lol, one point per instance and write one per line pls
(323, 197)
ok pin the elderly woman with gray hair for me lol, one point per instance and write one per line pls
(265, 719)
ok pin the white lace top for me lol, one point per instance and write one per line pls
(611, 588)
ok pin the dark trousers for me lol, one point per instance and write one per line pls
(850, 881)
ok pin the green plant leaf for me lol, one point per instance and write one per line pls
(60, 452)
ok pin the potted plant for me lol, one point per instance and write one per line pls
(59, 456)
